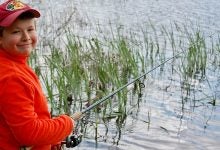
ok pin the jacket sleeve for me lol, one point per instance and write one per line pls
(27, 125)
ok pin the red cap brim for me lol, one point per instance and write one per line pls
(12, 17)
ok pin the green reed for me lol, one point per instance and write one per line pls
(82, 71)
(195, 61)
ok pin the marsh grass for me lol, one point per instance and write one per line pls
(194, 63)
(85, 70)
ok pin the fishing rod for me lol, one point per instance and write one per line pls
(124, 86)
(74, 140)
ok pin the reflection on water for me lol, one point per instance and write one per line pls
(130, 13)
(174, 123)
(167, 118)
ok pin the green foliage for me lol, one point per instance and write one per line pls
(82, 71)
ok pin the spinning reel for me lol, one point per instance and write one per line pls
(72, 140)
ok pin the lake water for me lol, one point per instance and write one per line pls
(175, 124)
(167, 118)
(131, 14)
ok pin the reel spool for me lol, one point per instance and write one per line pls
(73, 140)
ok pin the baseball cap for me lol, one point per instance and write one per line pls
(11, 9)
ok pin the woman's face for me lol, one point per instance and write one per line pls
(20, 38)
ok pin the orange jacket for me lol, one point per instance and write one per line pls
(24, 115)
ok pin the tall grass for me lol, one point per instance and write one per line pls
(85, 70)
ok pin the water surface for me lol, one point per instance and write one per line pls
(167, 118)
